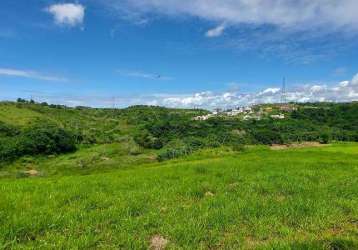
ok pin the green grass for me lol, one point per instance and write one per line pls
(96, 125)
(86, 160)
(215, 199)
(11, 114)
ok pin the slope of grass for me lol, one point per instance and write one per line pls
(259, 199)
(11, 114)
(94, 125)
(87, 160)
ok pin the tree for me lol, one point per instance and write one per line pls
(20, 100)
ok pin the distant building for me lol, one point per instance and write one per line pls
(229, 112)
(280, 116)
(287, 107)
(203, 117)
(234, 112)
(251, 117)
(248, 109)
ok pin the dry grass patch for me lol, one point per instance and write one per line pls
(158, 242)
(297, 145)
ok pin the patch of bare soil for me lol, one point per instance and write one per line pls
(297, 145)
(209, 194)
(234, 185)
(158, 242)
(32, 172)
(254, 243)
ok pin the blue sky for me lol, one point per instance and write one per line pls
(172, 53)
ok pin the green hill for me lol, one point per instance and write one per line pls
(57, 140)
(151, 177)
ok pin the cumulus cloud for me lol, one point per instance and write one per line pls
(68, 14)
(215, 32)
(29, 74)
(144, 75)
(355, 80)
(287, 29)
(301, 14)
(270, 91)
(345, 91)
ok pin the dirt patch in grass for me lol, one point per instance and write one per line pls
(32, 172)
(209, 194)
(234, 185)
(254, 243)
(297, 145)
(158, 242)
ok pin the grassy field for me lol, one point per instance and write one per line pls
(215, 199)
(87, 160)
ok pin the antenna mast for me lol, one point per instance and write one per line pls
(283, 91)
(113, 102)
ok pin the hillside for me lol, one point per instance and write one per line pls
(151, 177)
(54, 139)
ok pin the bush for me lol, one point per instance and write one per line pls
(8, 150)
(194, 143)
(324, 138)
(8, 130)
(177, 148)
(267, 137)
(46, 139)
(172, 153)
(146, 140)
(41, 138)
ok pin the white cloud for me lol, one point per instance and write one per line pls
(345, 91)
(302, 14)
(270, 91)
(343, 84)
(141, 74)
(215, 32)
(69, 14)
(288, 29)
(30, 74)
(355, 80)
(317, 88)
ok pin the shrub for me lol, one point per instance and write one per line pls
(41, 138)
(45, 138)
(146, 140)
(324, 138)
(267, 137)
(8, 130)
(8, 150)
(172, 153)
(193, 143)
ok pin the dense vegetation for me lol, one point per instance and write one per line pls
(310, 122)
(29, 128)
(39, 138)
